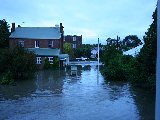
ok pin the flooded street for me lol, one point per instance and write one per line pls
(57, 95)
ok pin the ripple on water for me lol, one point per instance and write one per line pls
(58, 95)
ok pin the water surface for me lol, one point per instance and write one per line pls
(57, 95)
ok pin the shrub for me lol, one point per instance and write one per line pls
(55, 63)
(19, 61)
(7, 79)
(46, 64)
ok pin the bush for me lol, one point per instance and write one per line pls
(46, 64)
(7, 79)
(55, 64)
(19, 61)
(115, 70)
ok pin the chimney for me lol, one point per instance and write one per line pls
(13, 27)
(61, 28)
(62, 38)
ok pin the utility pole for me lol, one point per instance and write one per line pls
(98, 64)
(157, 114)
(98, 53)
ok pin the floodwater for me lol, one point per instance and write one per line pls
(58, 95)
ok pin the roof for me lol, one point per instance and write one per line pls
(36, 33)
(133, 51)
(45, 51)
(63, 56)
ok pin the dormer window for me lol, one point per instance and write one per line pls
(36, 44)
(50, 43)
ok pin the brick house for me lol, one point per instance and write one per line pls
(76, 41)
(45, 42)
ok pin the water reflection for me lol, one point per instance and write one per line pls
(50, 81)
(117, 90)
(145, 102)
(59, 95)
(21, 89)
(87, 67)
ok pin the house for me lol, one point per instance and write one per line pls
(76, 41)
(134, 51)
(45, 42)
(94, 51)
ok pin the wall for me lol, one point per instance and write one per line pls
(78, 42)
(30, 43)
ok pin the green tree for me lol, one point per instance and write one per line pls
(147, 55)
(4, 34)
(139, 70)
(110, 53)
(18, 61)
(68, 49)
(131, 41)
(78, 52)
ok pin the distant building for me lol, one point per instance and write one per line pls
(94, 52)
(45, 42)
(76, 41)
(133, 51)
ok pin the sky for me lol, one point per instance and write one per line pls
(92, 19)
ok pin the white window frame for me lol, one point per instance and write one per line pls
(64, 38)
(36, 44)
(50, 59)
(74, 38)
(38, 60)
(74, 45)
(50, 44)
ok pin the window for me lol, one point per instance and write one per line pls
(64, 38)
(74, 46)
(74, 38)
(36, 44)
(21, 43)
(50, 43)
(50, 59)
(38, 60)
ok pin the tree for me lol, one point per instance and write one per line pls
(131, 41)
(4, 34)
(139, 70)
(18, 61)
(78, 52)
(68, 49)
(147, 55)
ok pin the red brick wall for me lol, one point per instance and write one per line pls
(30, 43)
(78, 42)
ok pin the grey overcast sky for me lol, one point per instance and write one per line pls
(89, 18)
